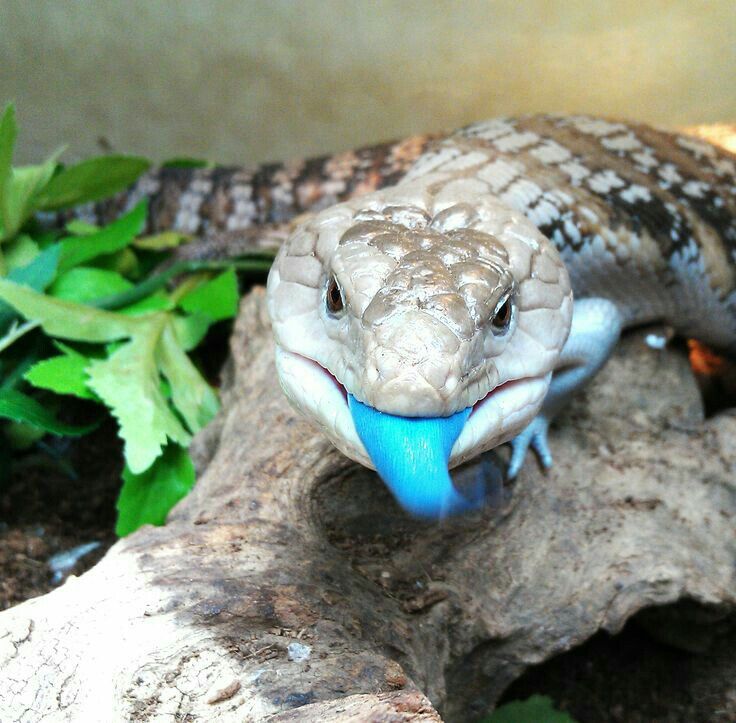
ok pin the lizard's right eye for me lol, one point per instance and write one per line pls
(334, 300)
(501, 319)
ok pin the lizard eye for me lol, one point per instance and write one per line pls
(334, 300)
(501, 319)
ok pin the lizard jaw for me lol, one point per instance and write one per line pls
(496, 418)
(320, 396)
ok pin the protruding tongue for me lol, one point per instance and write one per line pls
(411, 456)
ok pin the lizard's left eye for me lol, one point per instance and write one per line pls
(334, 300)
(501, 319)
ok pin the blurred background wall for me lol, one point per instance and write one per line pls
(251, 80)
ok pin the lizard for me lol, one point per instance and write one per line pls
(449, 294)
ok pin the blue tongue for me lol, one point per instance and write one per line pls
(411, 456)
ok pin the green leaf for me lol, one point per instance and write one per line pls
(152, 283)
(185, 162)
(8, 134)
(66, 319)
(123, 262)
(157, 301)
(77, 227)
(191, 395)
(83, 284)
(190, 330)
(20, 251)
(18, 196)
(114, 237)
(217, 299)
(40, 272)
(22, 408)
(91, 180)
(537, 709)
(37, 275)
(147, 498)
(128, 383)
(162, 241)
(63, 374)
(14, 368)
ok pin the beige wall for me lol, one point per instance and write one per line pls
(254, 80)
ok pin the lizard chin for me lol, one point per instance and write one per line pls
(496, 418)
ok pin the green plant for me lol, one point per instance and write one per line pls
(83, 313)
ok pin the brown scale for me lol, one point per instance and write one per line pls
(671, 217)
(656, 215)
(717, 207)
(279, 193)
(300, 187)
(710, 221)
(309, 185)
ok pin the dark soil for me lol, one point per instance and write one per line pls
(633, 678)
(630, 677)
(52, 503)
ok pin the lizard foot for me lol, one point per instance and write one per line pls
(534, 436)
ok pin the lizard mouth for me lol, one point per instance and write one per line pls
(340, 386)
(494, 419)
(497, 390)
(317, 393)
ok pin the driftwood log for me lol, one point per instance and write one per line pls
(288, 586)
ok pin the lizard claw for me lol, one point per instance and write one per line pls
(534, 436)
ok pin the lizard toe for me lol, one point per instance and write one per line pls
(534, 436)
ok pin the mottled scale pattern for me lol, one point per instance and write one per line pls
(230, 200)
(641, 216)
(428, 239)
(466, 265)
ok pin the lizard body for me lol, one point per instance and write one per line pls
(435, 278)
(237, 199)
(650, 199)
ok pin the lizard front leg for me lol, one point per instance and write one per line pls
(596, 327)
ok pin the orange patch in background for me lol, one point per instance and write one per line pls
(716, 377)
(705, 361)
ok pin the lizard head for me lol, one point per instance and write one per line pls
(409, 313)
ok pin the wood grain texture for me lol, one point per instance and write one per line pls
(288, 586)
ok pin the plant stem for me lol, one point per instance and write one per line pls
(153, 283)
(190, 283)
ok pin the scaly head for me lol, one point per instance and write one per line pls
(418, 328)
